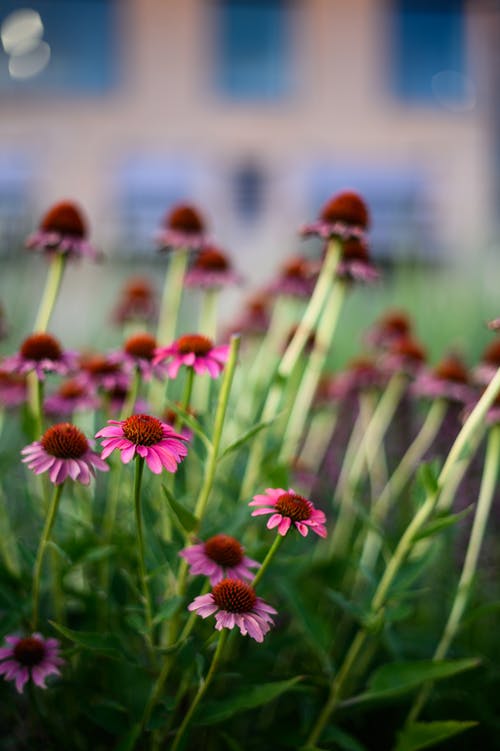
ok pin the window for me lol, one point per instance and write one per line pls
(253, 48)
(428, 60)
(68, 48)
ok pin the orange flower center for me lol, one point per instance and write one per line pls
(195, 343)
(185, 219)
(408, 348)
(295, 507)
(346, 207)
(141, 345)
(234, 596)
(138, 289)
(64, 441)
(143, 430)
(397, 323)
(29, 651)
(41, 347)
(295, 268)
(211, 259)
(99, 365)
(64, 218)
(71, 390)
(224, 550)
(492, 353)
(452, 369)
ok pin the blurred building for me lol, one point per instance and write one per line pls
(257, 110)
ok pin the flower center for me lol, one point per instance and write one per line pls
(41, 347)
(409, 349)
(396, 323)
(211, 259)
(354, 250)
(234, 596)
(143, 430)
(195, 343)
(295, 268)
(346, 207)
(138, 289)
(297, 508)
(452, 369)
(64, 218)
(99, 365)
(141, 345)
(224, 550)
(29, 651)
(64, 441)
(185, 219)
(492, 353)
(71, 390)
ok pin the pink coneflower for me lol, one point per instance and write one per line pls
(71, 396)
(490, 362)
(63, 230)
(42, 354)
(296, 279)
(345, 215)
(193, 351)
(136, 303)
(236, 604)
(449, 380)
(256, 316)
(114, 401)
(287, 508)
(147, 437)
(361, 374)
(31, 657)
(183, 228)
(101, 371)
(211, 269)
(393, 325)
(13, 390)
(219, 557)
(355, 263)
(63, 451)
(137, 354)
(406, 355)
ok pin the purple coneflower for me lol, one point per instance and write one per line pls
(13, 390)
(63, 230)
(31, 657)
(296, 279)
(101, 371)
(490, 362)
(219, 557)
(406, 355)
(287, 508)
(71, 396)
(137, 354)
(256, 316)
(449, 380)
(193, 351)
(393, 325)
(355, 263)
(361, 374)
(136, 303)
(345, 216)
(183, 228)
(211, 269)
(236, 604)
(63, 451)
(147, 437)
(42, 354)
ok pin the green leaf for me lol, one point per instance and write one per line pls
(442, 522)
(60, 552)
(127, 742)
(167, 610)
(105, 644)
(186, 518)
(425, 734)
(428, 477)
(245, 437)
(342, 739)
(97, 554)
(249, 698)
(349, 607)
(397, 678)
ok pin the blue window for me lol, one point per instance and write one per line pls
(253, 48)
(429, 50)
(71, 48)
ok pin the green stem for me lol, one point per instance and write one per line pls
(139, 468)
(37, 569)
(186, 396)
(267, 560)
(49, 297)
(208, 313)
(464, 588)
(171, 297)
(201, 690)
(35, 401)
(131, 397)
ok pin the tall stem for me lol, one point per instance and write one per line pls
(139, 468)
(267, 560)
(186, 396)
(37, 569)
(171, 297)
(131, 397)
(35, 401)
(49, 297)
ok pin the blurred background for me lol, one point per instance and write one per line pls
(257, 111)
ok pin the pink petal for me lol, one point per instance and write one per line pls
(274, 520)
(284, 525)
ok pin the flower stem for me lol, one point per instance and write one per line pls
(139, 467)
(186, 396)
(208, 313)
(49, 297)
(201, 690)
(37, 569)
(267, 560)
(171, 297)
(35, 401)
(131, 398)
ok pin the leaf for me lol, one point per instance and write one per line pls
(127, 742)
(428, 477)
(185, 517)
(396, 678)
(349, 607)
(97, 554)
(60, 552)
(425, 734)
(442, 522)
(105, 644)
(343, 740)
(249, 698)
(167, 610)
(245, 437)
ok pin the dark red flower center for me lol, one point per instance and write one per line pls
(224, 550)
(65, 218)
(211, 259)
(29, 651)
(452, 369)
(143, 430)
(141, 345)
(138, 289)
(491, 354)
(71, 390)
(296, 268)
(195, 343)
(64, 441)
(355, 250)
(297, 508)
(41, 347)
(9, 380)
(99, 365)
(234, 596)
(409, 349)
(347, 207)
(363, 366)
(170, 415)
(184, 218)
(395, 323)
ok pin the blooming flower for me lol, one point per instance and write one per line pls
(490, 362)
(449, 380)
(211, 269)
(41, 353)
(235, 604)
(219, 557)
(63, 230)
(137, 354)
(71, 396)
(31, 657)
(147, 437)
(355, 263)
(64, 452)
(255, 318)
(404, 354)
(361, 374)
(101, 371)
(393, 325)
(345, 216)
(287, 508)
(12, 390)
(296, 279)
(183, 228)
(136, 303)
(194, 351)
